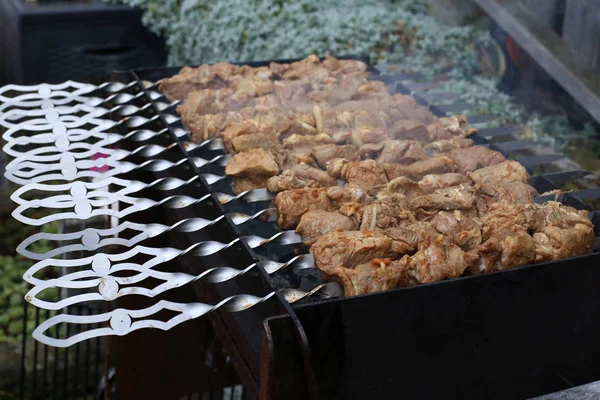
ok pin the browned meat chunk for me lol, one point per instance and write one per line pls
(191, 79)
(500, 215)
(417, 187)
(240, 185)
(252, 163)
(464, 231)
(448, 199)
(475, 157)
(435, 260)
(347, 194)
(294, 124)
(406, 239)
(309, 68)
(417, 170)
(327, 152)
(449, 128)
(360, 136)
(508, 192)
(554, 243)
(375, 276)
(344, 66)
(292, 204)
(508, 247)
(409, 130)
(432, 182)
(506, 171)
(388, 212)
(440, 147)
(206, 127)
(204, 102)
(349, 249)
(317, 223)
(248, 87)
(402, 152)
(233, 135)
(300, 176)
(402, 185)
(303, 144)
(255, 141)
(555, 214)
(366, 174)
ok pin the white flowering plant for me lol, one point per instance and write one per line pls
(387, 31)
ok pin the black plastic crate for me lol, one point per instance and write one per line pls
(54, 41)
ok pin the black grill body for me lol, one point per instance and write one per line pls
(513, 334)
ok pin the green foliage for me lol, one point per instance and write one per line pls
(200, 31)
(12, 267)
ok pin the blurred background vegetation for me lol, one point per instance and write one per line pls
(448, 41)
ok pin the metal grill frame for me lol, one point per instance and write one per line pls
(313, 342)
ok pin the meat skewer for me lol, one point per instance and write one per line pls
(419, 202)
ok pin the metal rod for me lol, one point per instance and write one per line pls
(45, 374)
(66, 362)
(97, 358)
(106, 369)
(23, 351)
(76, 365)
(56, 360)
(86, 367)
(35, 356)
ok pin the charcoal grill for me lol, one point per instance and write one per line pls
(512, 334)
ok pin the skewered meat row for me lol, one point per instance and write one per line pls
(448, 246)
(223, 75)
(419, 202)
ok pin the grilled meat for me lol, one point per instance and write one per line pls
(500, 215)
(553, 213)
(421, 203)
(449, 128)
(431, 182)
(316, 223)
(406, 239)
(327, 152)
(292, 204)
(402, 185)
(508, 247)
(350, 193)
(350, 248)
(252, 163)
(388, 212)
(508, 192)
(435, 260)
(442, 146)
(507, 171)
(240, 185)
(555, 243)
(401, 152)
(407, 129)
(374, 276)
(191, 79)
(366, 174)
(304, 144)
(417, 170)
(238, 130)
(460, 198)
(300, 176)
(462, 230)
(475, 157)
